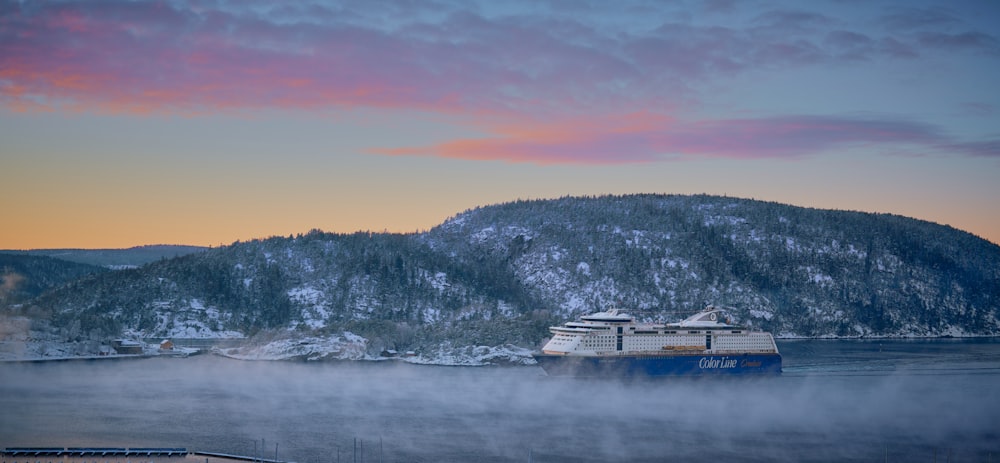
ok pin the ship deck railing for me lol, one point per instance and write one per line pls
(34, 451)
(94, 451)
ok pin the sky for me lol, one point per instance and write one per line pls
(204, 122)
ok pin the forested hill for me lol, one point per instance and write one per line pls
(23, 277)
(502, 274)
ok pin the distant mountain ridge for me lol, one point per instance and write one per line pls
(113, 258)
(499, 275)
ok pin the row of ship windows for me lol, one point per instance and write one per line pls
(755, 341)
(658, 346)
(682, 336)
(635, 331)
(743, 346)
(693, 332)
(754, 347)
(676, 340)
(720, 341)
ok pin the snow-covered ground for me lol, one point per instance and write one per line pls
(37, 349)
(349, 346)
(312, 348)
(474, 356)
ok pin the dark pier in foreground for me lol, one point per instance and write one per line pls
(237, 457)
(71, 454)
(93, 452)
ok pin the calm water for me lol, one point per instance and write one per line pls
(837, 401)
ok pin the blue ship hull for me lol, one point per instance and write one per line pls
(660, 365)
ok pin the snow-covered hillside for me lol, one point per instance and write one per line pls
(498, 276)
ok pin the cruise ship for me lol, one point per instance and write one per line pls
(613, 344)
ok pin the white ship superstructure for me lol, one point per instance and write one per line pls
(704, 341)
(613, 333)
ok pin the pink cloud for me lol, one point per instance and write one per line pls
(620, 141)
(216, 60)
(125, 56)
(525, 78)
(641, 138)
(122, 55)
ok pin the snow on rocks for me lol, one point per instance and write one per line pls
(447, 354)
(347, 346)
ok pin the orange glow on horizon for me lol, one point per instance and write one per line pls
(107, 227)
(131, 123)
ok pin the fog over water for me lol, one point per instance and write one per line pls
(837, 401)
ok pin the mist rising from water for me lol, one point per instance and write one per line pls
(425, 413)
